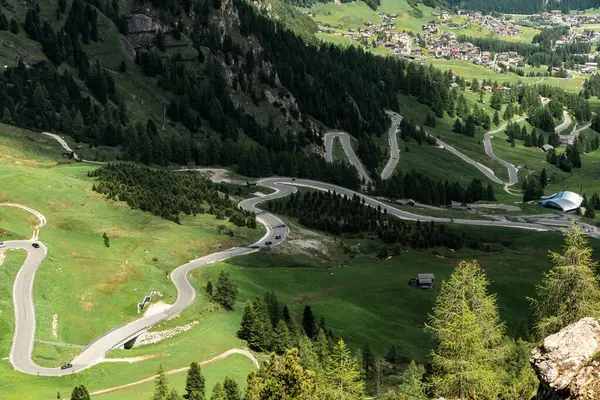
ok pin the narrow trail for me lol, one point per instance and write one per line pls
(220, 357)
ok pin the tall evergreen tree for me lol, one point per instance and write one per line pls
(308, 322)
(218, 393)
(467, 329)
(368, 361)
(281, 378)
(194, 383)
(231, 389)
(570, 290)
(80, 393)
(161, 390)
(281, 340)
(225, 291)
(342, 375)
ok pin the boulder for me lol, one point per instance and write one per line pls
(568, 363)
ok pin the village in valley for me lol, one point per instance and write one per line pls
(439, 38)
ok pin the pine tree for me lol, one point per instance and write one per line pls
(218, 393)
(248, 321)
(392, 355)
(194, 383)
(467, 329)
(308, 322)
(161, 391)
(231, 389)
(225, 291)
(368, 361)
(173, 395)
(342, 375)
(322, 346)
(508, 112)
(543, 178)
(281, 378)
(458, 126)
(14, 26)
(308, 357)
(570, 290)
(6, 116)
(411, 385)
(80, 393)
(281, 338)
(209, 289)
(490, 196)
(496, 119)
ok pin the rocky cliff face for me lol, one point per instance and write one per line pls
(568, 363)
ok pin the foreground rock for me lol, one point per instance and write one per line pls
(568, 363)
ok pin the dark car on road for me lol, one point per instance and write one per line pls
(278, 237)
(36, 245)
(268, 243)
(67, 366)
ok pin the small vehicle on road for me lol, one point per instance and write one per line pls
(293, 179)
(67, 366)
(2, 245)
(268, 243)
(36, 245)
(278, 237)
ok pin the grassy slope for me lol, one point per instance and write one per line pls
(93, 288)
(364, 299)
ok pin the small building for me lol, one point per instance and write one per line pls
(425, 281)
(564, 201)
(547, 147)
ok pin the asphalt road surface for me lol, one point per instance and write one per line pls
(489, 150)
(347, 146)
(393, 140)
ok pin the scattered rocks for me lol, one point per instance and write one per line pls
(568, 363)
(155, 337)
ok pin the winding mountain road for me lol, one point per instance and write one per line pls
(277, 231)
(344, 138)
(565, 124)
(389, 168)
(489, 150)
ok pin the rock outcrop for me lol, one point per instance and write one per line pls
(142, 29)
(568, 363)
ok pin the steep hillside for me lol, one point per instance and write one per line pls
(239, 87)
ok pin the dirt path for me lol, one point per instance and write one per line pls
(226, 354)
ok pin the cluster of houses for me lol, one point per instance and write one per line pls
(498, 26)
(587, 68)
(382, 33)
(558, 18)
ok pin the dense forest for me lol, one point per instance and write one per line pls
(524, 7)
(167, 194)
(337, 214)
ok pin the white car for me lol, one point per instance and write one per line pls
(2, 245)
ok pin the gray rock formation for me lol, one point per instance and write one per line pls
(142, 29)
(568, 363)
